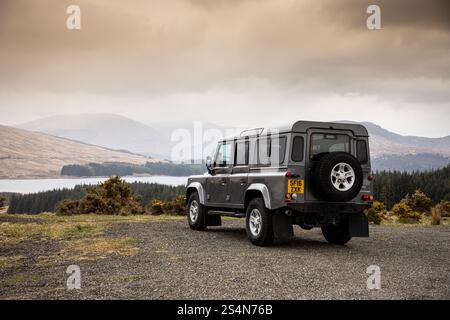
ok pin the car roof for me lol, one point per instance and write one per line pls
(302, 127)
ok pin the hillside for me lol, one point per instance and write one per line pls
(106, 130)
(25, 154)
(385, 142)
(389, 150)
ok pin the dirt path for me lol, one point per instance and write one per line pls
(176, 262)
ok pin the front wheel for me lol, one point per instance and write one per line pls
(196, 213)
(338, 234)
(259, 223)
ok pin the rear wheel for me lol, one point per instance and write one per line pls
(259, 223)
(337, 234)
(196, 213)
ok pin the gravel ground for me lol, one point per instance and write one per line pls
(175, 262)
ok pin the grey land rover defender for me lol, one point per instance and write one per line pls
(312, 174)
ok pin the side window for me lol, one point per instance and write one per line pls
(263, 151)
(278, 150)
(223, 158)
(361, 151)
(271, 151)
(241, 155)
(297, 149)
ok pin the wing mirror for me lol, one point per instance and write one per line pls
(209, 164)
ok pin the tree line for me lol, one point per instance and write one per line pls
(47, 201)
(126, 169)
(391, 187)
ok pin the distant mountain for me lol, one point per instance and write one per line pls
(26, 154)
(106, 130)
(388, 149)
(384, 142)
(410, 162)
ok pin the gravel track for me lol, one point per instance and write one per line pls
(175, 262)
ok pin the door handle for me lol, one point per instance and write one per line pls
(224, 182)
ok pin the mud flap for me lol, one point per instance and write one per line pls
(358, 226)
(213, 220)
(282, 226)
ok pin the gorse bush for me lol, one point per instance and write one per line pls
(156, 207)
(444, 208)
(114, 197)
(373, 216)
(172, 207)
(404, 212)
(420, 202)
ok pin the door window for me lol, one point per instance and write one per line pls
(223, 158)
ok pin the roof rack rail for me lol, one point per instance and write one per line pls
(258, 131)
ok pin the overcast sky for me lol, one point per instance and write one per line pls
(235, 62)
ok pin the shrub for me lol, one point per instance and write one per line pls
(420, 202)
(2, 203)
(113, 196)
(405, 213)
(380, 208)
(373, 216)
(436, 216)
(179, 205)
(155, 207)
(68, 207)
(444, 207)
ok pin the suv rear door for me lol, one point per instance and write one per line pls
(320, 142)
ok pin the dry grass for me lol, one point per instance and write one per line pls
(11, 261)
(50, 226)
(90, 249)
(426, 220)
(20, 278)
(80, 237)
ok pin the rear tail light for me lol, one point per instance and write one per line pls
(289, 174)
(367, 197)
(370, 178)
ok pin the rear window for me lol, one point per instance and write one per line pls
(326, 142)
(361, 151)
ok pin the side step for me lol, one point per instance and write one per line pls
(226, 213)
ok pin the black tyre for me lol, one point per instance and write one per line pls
(259, 223)
(337, 234)
(196, 213)
(338, 177)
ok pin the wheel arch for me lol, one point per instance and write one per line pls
(257, 190)
(196, 187)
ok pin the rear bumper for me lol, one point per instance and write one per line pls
(324, 214)
(328, 207)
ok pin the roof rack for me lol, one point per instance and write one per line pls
(258, 131)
